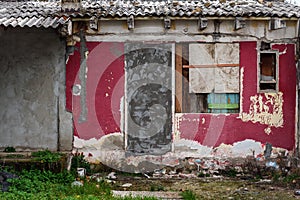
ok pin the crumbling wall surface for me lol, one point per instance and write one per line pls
(264, 117)
(32, 82)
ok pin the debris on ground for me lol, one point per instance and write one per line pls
(77, 184)
(4, 177)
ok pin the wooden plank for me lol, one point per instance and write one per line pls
(211, 66)
(178, 78)
(186, 97)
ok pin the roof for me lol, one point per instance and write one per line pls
(188, 8)
(48, 13)
(31, 14)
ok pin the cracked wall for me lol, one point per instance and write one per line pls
(32, 90)
(274, 125)
(264, 117)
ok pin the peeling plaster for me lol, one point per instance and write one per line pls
(109, 150)
(240, 149)
(266, 109)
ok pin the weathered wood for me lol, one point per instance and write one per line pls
(178, 78)
(186, 99)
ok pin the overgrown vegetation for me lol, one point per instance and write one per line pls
(46, 185)
(9, 149)
(188, 195)
(154, 187)
(78, 161)
(46, 156)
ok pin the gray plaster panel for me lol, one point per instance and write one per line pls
(31, 61)
(227, 80)
(201, 54)
(201, 80)
(220, 79)
(148, 98)
(227, 53)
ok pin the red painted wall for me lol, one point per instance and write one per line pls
(214, 129)
(104, 87)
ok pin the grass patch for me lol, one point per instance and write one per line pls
(188, 195)
(47, 185)
(46, 156)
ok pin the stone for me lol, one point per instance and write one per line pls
(127, 185)
(4, 176)
(297, 192)
(77, 184)
(112, 175)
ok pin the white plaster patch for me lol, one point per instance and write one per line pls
(265, 109)
(191, 148)
(109, 151)
(239, 149)
(223, 150)
(247, 148)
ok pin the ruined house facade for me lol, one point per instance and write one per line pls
(147, 83)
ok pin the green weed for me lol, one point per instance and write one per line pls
(188, 195)
(46, 156)
(9, 149)
(78, 161)
(46, 185)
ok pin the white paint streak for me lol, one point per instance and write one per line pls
(203, 120)
(241, 89)
(284, 51)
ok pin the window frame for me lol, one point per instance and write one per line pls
(259, 81)
(184, 98)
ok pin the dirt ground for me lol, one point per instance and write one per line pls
(209, 187)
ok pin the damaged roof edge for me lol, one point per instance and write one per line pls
(50, 13)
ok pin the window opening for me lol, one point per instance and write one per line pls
(207, 79)
(268, 71)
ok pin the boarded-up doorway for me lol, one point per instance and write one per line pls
(148, 98)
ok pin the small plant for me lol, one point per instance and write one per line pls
(157, 188)
(9, 149)
(290, 178)
(231, 172)
(46, 156)
(201, 174)
(78, 161)
(188, 195)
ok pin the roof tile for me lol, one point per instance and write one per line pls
(48, 13)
